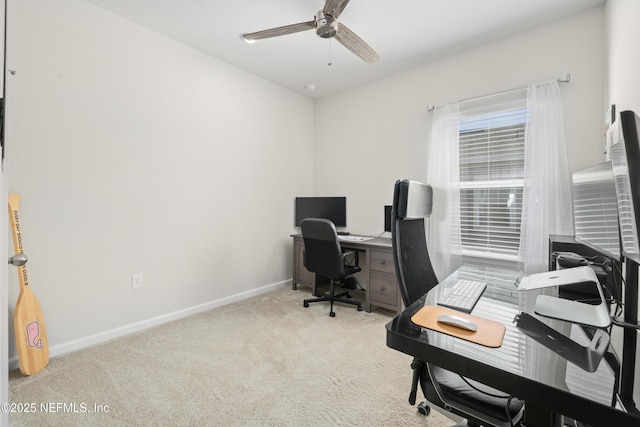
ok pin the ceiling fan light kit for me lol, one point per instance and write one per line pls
(327, 26)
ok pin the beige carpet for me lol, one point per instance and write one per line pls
(266, 361)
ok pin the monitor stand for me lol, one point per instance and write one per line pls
(587, 358)
(564, 309)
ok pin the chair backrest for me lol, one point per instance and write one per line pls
(322, 251)
(412, 202)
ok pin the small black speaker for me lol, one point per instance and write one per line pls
(387, 218)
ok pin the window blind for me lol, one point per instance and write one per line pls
(491, 153)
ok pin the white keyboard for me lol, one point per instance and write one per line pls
(463, 296)
(350, 238)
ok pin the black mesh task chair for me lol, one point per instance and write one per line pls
(324, 256)
(478, 403)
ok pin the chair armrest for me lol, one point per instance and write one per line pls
(356, 258)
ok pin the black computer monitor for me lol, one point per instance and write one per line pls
(625, 157)
(595, 209)
(331, 208)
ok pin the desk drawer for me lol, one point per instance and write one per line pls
(382, 261)
(383, 288)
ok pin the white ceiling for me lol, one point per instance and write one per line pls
(405, 33)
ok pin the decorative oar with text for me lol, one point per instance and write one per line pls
(30, 330)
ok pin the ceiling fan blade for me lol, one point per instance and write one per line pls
(355, 44)
(335, 7)
(279, 31)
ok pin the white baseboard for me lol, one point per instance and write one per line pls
(98, 338)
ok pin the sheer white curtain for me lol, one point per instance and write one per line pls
(443, 175)
(546, 205)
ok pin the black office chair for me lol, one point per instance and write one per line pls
(323, 256)
(478, 403)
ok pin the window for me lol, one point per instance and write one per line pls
(491, 204)
(491, 160)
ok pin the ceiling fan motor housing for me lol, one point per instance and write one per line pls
(326, 25)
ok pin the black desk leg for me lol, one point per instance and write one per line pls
(537, 416)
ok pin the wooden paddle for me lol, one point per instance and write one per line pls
(31, 334)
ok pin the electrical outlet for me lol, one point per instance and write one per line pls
(137, 281)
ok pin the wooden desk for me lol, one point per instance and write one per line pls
(378, 275)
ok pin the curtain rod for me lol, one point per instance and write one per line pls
(564, 79)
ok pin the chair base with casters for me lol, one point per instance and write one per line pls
(344, 297)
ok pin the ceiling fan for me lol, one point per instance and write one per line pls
(327, 26)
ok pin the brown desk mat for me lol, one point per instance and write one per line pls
(489, 333)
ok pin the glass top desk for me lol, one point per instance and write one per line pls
(522, 367)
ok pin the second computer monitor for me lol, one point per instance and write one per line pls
(625, 156)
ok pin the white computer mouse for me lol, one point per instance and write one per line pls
(458, 321)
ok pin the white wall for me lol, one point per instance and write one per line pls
(136, 154)
(623, 45)
(369, 137)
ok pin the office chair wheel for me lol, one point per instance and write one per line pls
(306, 304)
(332, 314)
(359, 308)
(424, 409)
